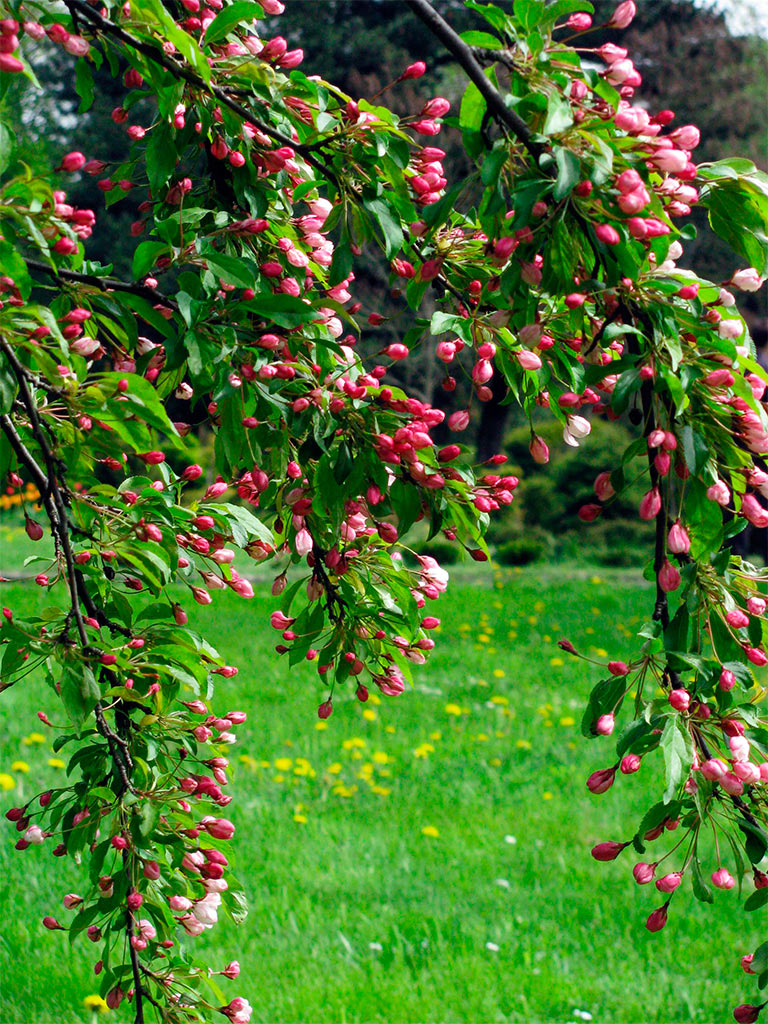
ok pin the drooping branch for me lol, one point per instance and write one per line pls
(101, 24)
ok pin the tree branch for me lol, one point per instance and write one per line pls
(104, 284)
(465, 56)
(101, 24)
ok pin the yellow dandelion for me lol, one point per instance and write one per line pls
(374, 698)
(499, 673)
(7, 782)
(567, 720)
(247, 760)
(452, 709)
(334, 769)
(381, 790)
(556, 662)
(380, 757)
(523, 744)
(300, 819)
(481, 737)
(512, 635)
(423, 750)
(601, 652)
(320, 726)
(279, 778)
(284, 764)
(389, 728)
(20, 766)
(369, 715)
(548, 722)
(34, 737)
(431, 831)
(495, 762)
(483, 639)
(589, 629)
(500, 699)
(355, 743)
(597, 580)
(546, 795)
(435, 736)
(96, 1003)
(56, 762)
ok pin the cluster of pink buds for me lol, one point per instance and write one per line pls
(429, 181)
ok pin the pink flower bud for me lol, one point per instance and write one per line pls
(605, 724)
(669, 577)
(650, 505)
(601, 780)
(669, 882)
(746, 1013)
(643, 873)
(618, 668)
(727, 680)
(415, 70)
(630, 763)
(539, 450)
(723, 879)
(719, 492)
(607, 234)
(657, 919)
(458, 420)
(603, 487)
(748, 280)
(678, 541)
(680, 699)
(608, 851)
(623, 15)
(737, 618)
(219, 828)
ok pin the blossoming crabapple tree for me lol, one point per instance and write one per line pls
(563, 278)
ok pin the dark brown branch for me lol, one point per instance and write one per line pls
(465, 56)
(104, 284)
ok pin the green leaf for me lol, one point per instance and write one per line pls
(442, 322)
(230, 269)
(390, 226)
(161, 157)
(79, 692)
(568, 172)
(756, 900)
(701, 890)
(760, 958)
(559, 115)
(471, 114)
(230, 17)
(695, 450)
(84, 85)
(7, 144)
(9, 386)
(145, 257)
(678, 755)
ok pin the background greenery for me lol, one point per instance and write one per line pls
(358, 913)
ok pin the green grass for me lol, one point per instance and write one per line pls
(356, 915)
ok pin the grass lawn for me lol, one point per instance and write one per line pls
(419, 859)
